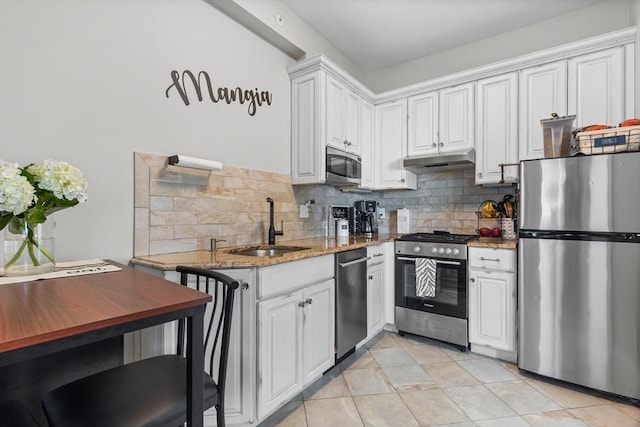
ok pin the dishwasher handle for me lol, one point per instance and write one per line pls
(355, 261)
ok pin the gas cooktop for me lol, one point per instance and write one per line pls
(437, 237)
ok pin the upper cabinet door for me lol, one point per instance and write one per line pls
(307, 150)
(596, 87)
(366, 146)
(456, 118)
(336, 113)
(390, 146)
(497, 129)
(543, 90)
(343, 116)
(353, 105)
(423, 124)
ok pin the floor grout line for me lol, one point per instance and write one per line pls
(497, 370)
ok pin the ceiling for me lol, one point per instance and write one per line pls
(376, 34)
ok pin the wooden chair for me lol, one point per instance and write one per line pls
(152, 392)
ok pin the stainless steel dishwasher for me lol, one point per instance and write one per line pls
(351, 300)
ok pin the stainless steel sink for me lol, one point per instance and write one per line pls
(271, 250)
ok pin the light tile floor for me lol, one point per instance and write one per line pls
(413, 381)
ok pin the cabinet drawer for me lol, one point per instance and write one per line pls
(492, 259)
(290, 276)
(375, 255)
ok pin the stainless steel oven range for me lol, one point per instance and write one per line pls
(431, 286)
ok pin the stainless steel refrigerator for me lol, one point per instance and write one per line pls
(579, 271)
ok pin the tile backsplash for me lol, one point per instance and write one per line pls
(180, 209)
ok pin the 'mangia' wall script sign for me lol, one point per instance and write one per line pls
(253, 97)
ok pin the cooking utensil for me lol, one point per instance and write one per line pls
(508, 208)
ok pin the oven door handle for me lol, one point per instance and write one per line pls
(448, 262)
(401, 258)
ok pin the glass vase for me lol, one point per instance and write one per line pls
(27, 249)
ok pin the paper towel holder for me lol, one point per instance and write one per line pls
(192, 162)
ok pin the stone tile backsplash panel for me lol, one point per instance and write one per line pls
(179, 209)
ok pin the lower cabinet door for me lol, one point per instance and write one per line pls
(279, 339)
(319, 330)
(374, 299)
(492, 303)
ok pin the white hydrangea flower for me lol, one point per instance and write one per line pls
(64, 180)
(16, 193)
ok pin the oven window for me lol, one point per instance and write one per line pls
(447, 296)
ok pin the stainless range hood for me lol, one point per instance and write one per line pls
(420, 164)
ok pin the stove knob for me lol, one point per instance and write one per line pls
(448, 251)
(416, 249)
(456, 251)
(441, 250)
(434, 250)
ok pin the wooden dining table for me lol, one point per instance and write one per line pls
(78, 317)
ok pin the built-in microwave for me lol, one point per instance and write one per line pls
(343, 168)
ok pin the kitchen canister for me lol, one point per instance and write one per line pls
(404, 221)
(342, 228)
(509, 229)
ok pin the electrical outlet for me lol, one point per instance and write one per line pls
(382, 213)
(304, 211)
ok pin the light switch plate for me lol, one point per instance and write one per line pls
(304, 211)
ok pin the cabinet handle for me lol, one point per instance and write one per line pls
(434, 145)
(472, 280)
(401, 179)
(489, 259)
(479, 174)
(378, 254)
(301, 304)
(370, 277)
(442, 144)
(308, 301)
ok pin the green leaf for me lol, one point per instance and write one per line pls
(4, 219)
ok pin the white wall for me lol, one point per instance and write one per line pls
(299, 33)
(591, 21)
(84, 81)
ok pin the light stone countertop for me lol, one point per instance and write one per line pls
(492, 242)
(222, 259)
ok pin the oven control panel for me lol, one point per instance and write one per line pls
(431, 249)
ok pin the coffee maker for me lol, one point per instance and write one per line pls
(366, 217)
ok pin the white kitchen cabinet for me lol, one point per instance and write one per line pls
(492, 302)
(441, 122)
(542, 91)
(375, 289)
(497, 129)
(423, 125)
(597, 87)
(390, 147)
(296, 328)
(456, 113)
(343, 116)
(296, 343)
(367, 146)
(318, 335)
(308, 151)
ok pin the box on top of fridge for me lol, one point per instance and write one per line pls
(625, 137)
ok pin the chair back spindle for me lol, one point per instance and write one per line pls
(218, 317)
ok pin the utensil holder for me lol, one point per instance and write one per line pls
(509, 229)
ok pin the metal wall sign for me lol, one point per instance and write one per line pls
(254, 98)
